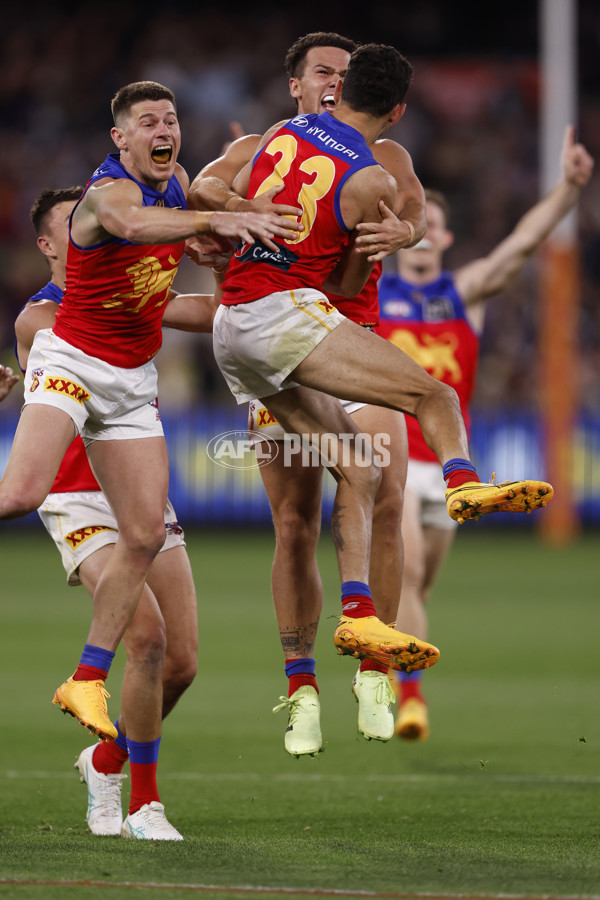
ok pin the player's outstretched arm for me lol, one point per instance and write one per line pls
(115, 208)
(490, 275)
(7, 381)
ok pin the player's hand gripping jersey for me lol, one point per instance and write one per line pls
(116, 290)
(429, 323)
(313, 156)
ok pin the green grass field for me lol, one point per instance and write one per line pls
(503, 799)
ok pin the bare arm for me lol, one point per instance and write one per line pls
(191, 312)
(364, 197)
(32, 318)
(115, 208)
(7, 381)
(194, 312)
(490, 275)
(212, 186)
(408, 224)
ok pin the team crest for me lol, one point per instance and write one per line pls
(35, 382)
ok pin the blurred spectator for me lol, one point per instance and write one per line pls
(471, 127)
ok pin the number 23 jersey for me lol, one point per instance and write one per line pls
(312, 156)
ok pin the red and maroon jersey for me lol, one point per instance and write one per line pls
(429, 323)
(313, 156)
(364, 308)
(116, 291)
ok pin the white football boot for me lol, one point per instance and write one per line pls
(104, 814)
(376, 701)
(150, 823)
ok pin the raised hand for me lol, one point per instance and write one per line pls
(576, 162)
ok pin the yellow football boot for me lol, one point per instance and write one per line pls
(86, 702)
(474, 499)
(412, 723)
(369, 638)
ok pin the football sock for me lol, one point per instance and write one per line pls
(109, 757)
(369, 665)
(410, 686)
(94, 664)
(356, 600)
(459, 471)
(143, 762)
(300, 671)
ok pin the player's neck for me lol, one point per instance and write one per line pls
(371, 128)
(58, 276)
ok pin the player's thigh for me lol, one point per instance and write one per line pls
(42, 437)
(355, 364)
(134, 475)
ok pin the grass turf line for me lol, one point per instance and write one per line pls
(504, 797)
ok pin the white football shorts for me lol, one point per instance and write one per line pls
(425, 480)
(104, 401)
(258, 344)
(80, 522)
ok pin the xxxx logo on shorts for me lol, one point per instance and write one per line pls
(69, 388)
(75, 538)
(264, 418)
(325, 306)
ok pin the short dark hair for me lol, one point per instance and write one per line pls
(295, 58)
(136, 92)
(377, 80)
(47, 200)
(433, 196)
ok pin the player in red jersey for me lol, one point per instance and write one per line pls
(315, 63)
(436, 316)
(289, 346)
(161, 641)
(92, 373)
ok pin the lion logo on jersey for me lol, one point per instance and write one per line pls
(436, 355)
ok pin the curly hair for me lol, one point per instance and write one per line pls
(377, 80)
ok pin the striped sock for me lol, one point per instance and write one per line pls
(94, 664)
(300, 671)
(356, 600)
(143, 763)
(458, 471)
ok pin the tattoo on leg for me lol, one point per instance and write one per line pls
(336, 517)
(299, 640)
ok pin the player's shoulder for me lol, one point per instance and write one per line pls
(389, 153)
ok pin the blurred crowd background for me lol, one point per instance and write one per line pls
(471, 126)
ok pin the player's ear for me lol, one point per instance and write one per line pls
(118, 138)
(295, 90)
(448, 239)
(46, 247)
(397, 113)
(337, 91)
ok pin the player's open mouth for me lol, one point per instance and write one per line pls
(162, 154)
(327, 102)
